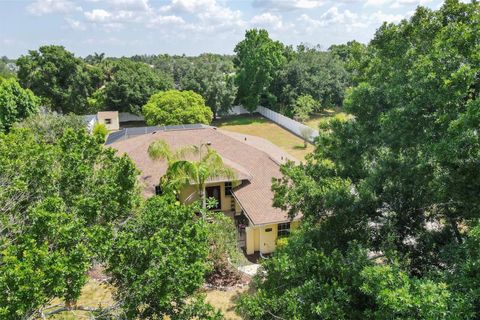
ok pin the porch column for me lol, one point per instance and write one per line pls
(249, 240)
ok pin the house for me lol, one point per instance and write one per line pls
(255, 162)
(110, 119)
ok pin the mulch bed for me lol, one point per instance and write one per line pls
(227, 276)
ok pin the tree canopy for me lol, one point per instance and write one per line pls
(390, 195)
(159, 260)
(309, 71)
(16, 103)
(59, 203)
(176, 107)
(61, 80)
(212, 78)
(258, 59)
(130, 86)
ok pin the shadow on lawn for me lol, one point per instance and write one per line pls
(239, 120)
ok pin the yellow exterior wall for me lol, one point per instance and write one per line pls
(268, 239)
(226, 201)
(256, 238)
(249, 243)
(264, 241)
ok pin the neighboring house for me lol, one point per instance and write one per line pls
(255, 162)
(109, 118)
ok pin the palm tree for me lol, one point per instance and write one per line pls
(182, 172)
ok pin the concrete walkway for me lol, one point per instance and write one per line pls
(250, 269)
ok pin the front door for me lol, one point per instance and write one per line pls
(214, 192)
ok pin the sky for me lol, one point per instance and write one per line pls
(191, 27)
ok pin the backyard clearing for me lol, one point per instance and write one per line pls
(256, 125)
(95, 294)
(324, 116)
(225, 301)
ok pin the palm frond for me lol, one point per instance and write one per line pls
(185, 151)
(160, 150)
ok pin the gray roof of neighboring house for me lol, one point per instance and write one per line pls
(89, 117)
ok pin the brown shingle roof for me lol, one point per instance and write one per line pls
(253, 165)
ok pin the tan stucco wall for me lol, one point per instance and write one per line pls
(113, 116)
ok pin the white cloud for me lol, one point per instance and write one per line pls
(205, 16)
(403, 3)
(269, 21)
(380, 17)
(170, 20)
(288, 4)
(75, 24)
(334, 16)
(396, 3)
(348, 19)
(41, 7)
(377, 3)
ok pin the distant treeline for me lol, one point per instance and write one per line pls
(262, 71)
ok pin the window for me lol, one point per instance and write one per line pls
(214, 192)
(268, 230)
(108, 121)
(228, 188)
(283, 229)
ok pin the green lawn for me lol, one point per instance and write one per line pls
(317, 118)
(256, 125)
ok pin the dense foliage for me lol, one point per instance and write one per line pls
(263, 72)
(176, 107)
(59, 202)
(159, 260)
(303, 107)
(129, 86)
(390, 196)
(258, 59)
(16, 103)
(212, 78)
(50, 127)
(7, 68)
(61, 80)
(309, 71)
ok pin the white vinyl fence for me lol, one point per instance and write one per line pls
(291, 125)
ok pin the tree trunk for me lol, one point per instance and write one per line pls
(204, 198)
(456, 232)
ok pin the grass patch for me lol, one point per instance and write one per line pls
(324, 116)
(225, 301)
(256, 125)
(95, 294)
